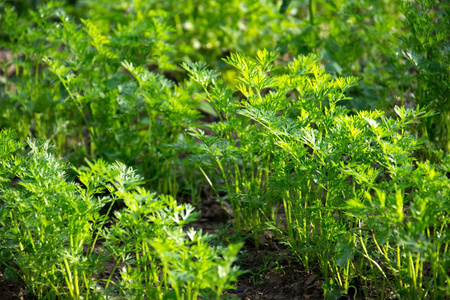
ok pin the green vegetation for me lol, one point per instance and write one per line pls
(126, 106)
(357, 202)
(51, 231)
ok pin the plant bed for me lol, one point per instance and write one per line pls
(148, 175)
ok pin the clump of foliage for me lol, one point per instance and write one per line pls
(398, 49)
(92, 46)
(205, 30)
(51, 229)
(92, 78)
(427, 47)
(94, 96)
(359, 38)
(357, 202)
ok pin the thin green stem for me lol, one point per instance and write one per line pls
(311, 13)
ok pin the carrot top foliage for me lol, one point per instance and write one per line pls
(353, 193)
(111, 110)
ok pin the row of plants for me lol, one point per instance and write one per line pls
(359, 201)
(406, 65)
(358, 205)
(60, 236)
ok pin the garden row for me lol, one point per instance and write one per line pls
(359, 197)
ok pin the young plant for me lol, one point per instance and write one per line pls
(159, 259)
(48, 224)
(239, 147)
(333, 160)
(194, 268)
(404, 231)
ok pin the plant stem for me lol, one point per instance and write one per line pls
(311, 13)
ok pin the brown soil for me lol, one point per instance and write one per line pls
(11, 290)
(282, 279)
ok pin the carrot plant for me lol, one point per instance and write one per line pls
(327, 167)
(48, 224)
(239, 149)
(54, 236)
(158, 258)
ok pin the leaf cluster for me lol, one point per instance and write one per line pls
(346, 180)
(51, 231)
